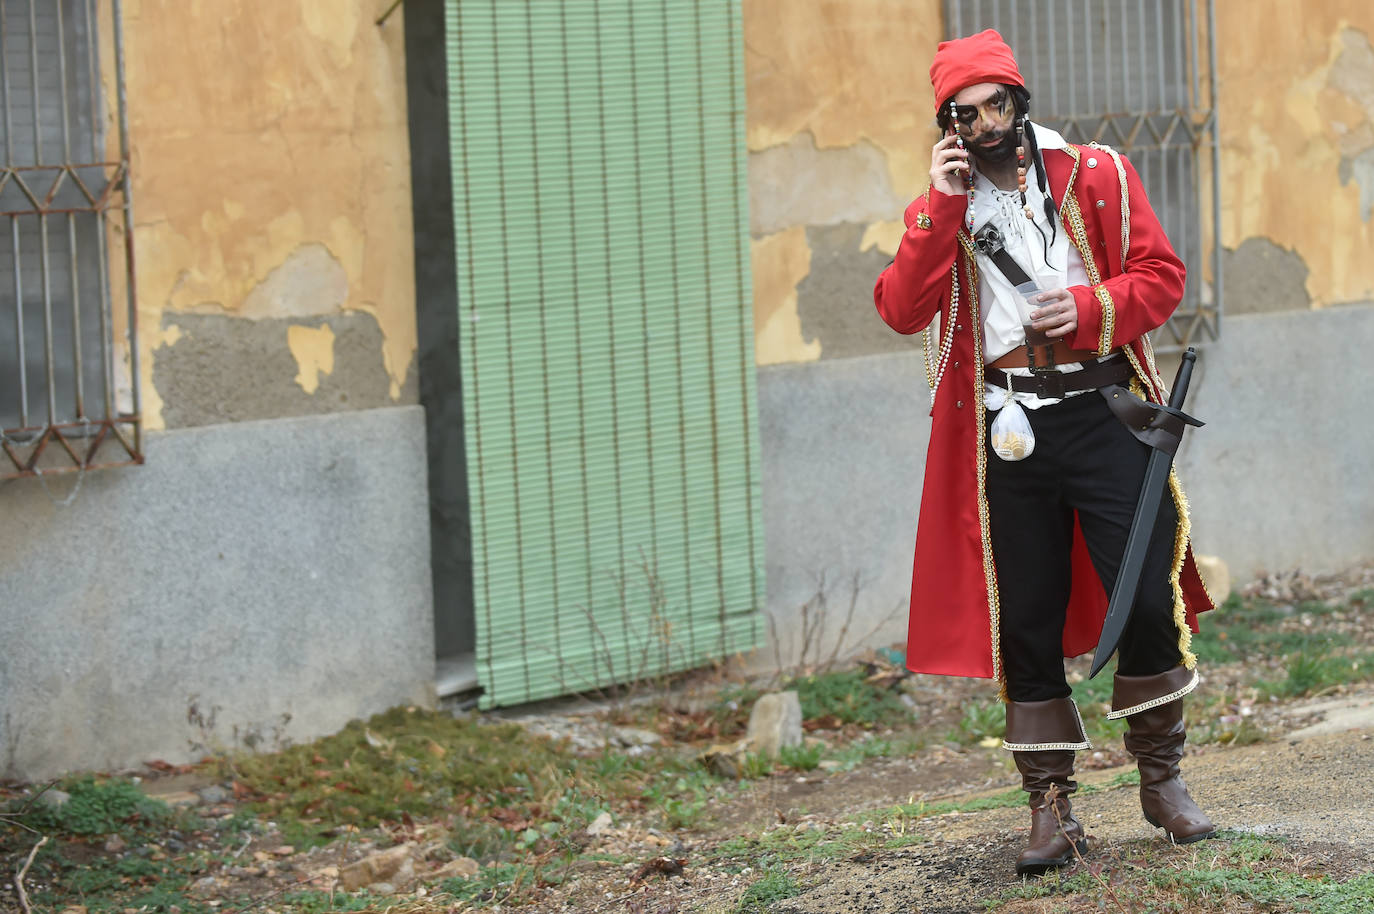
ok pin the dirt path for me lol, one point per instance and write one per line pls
(1314, 788)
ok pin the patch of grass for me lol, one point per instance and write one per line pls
(854, 753)
(784, 844)
(850, 698)
(401, 762)
(103, 806)
(982, 719)
(921, 809)
(1275, 889)
(313, 902)
(74, 867)
(682, 800)
(1314, 670)
(775, 885)
(801, 758)
(493, 883)
(1124, 779)
(1233, 872)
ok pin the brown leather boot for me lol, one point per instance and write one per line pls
(1043, 736)
(1055, 835)
(1153, 708)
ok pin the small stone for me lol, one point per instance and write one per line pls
(774, 723)
(115, 844)
(629, 737)
(724, 759)
(600, 825)
(462, 868)
(1215, 575)
(285, 850)
(54, 799)
(383, 866)
(382, 888)
(214, 795)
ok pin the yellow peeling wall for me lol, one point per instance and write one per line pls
(849, 73)
(1296, 98)
(269, 141)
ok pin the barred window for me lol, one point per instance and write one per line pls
(68, 363)
(1137, 77)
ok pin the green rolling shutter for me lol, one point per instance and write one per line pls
(605, 338)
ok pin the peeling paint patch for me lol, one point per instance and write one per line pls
(1360, 169)
(227, 369)
(1352, 75)
(835, 301)
(313, 350)
(309, 282)
(885, 236)
(275, 184)
(779, 263)
(798, 184)
(1352, 72)
(168, 337)
(1262, 277)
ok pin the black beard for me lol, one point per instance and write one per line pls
(1004, 150)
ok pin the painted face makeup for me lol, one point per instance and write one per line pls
(995, 109)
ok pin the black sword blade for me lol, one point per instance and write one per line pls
(1138, 539)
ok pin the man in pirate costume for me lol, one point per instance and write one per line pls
(1015, 557)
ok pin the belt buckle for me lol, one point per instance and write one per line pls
(1049, 383)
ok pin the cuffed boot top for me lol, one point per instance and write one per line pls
(1153, 708)
(1042, 736)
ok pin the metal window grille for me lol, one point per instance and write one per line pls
(1138, 77)
(68, 363)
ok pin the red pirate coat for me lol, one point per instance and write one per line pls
(1136, 283)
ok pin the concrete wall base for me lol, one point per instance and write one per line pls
(252, 585)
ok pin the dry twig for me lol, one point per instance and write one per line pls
(24, 871)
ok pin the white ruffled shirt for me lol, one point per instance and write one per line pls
(1002, 331)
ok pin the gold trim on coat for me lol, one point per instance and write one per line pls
(981, 460)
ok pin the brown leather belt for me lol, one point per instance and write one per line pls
(1051, 385)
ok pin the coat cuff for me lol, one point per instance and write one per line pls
(1096, 319)
(940, 211)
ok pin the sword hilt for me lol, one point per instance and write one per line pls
(1185, 374)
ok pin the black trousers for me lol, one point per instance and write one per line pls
(1085, 461)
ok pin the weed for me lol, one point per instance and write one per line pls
(492, 883)
(921, 809)
(774, 886)
(1124, 779)
(96, 807)
(982, 720)
(852, 754)
(801, 758)
(784, 844)
(313, 902)
(683, 804)
(1314, 670)
(849, 698)
(1273, 889)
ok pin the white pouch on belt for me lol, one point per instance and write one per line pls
(1012, 437)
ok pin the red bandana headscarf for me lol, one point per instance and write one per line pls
(964, 62)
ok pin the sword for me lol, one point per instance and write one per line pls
(1163, 431)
